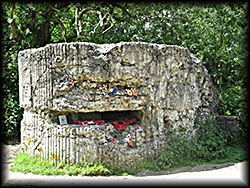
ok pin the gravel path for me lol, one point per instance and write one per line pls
(232, 174)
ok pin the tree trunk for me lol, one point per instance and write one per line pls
(43, 34)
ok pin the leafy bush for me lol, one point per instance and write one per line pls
(209, 143)
(11, 114)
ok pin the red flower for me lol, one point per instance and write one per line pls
(145, 130)
(120, 126)
(113, 140)
(123, 122)
(139, 125)
(73, 82)
(127, 101)
(99, 122)
(134, 129)
(105, 98)
(133, 120)
(143, 124)
(129, 146)
(78, 123)
(115, 122)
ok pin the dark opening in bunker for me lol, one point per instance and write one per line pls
(108, 116)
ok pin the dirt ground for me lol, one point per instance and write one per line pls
(226, 173)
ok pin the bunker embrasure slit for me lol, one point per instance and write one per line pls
(107, 116)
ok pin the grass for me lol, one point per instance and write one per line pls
(234, 154)
(26, 163)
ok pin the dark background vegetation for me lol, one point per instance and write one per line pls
(215, 33)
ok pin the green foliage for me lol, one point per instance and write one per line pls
(11, 114)
(25, 163)
(215, 33)
(210, 141)
(209, 144)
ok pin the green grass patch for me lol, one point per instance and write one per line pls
(26, 163)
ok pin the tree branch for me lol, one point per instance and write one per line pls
(112, 24)
(14, 34)
(100, 22)
(62, 26)
(84, 11)
(108, 28)
(78, 17)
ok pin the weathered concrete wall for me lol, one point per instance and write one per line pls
(171, 87)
